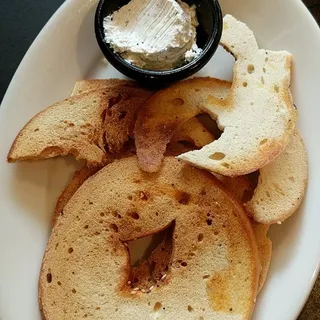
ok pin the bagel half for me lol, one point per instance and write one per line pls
(214, 268)
(91, 125)
(281, 186)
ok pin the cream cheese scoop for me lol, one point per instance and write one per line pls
(153, 34)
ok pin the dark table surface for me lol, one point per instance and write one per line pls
(21, 21)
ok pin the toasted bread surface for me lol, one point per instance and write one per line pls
(90, 125)
(193, 132)
(166, 111)
(72, 126)
(242, 187)
(83, 86)
(258, 117)
(86, 266)
(122, 109)
(281, 186)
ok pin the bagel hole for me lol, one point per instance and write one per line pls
(247, 195)
(210, 125)
(187, 143)
(253, 178)
(150, 258)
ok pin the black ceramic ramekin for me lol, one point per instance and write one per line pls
(208, 37)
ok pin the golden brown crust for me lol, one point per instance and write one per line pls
(194, 132)
(78, 178)
(83, 86)
(157, 187)
(40, 140)
(258, 116)
(281, 186)
(243, 188)
(83, 125)
(166, 111)
(265, 250)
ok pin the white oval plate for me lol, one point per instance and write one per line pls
(66, 51)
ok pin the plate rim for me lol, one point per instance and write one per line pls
(68, 3)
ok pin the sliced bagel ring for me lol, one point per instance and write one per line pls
(90, 125)
(214, 268)
(166, 111)
(257, 118)
(281, 186)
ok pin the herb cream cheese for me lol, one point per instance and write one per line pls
(153, 34)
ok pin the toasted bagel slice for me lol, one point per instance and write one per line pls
(167, 110)
(82, 86)
(193, 132)
(214, 268)
(122, 108)
(89, 126)
(258, 117)
(281, 186)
